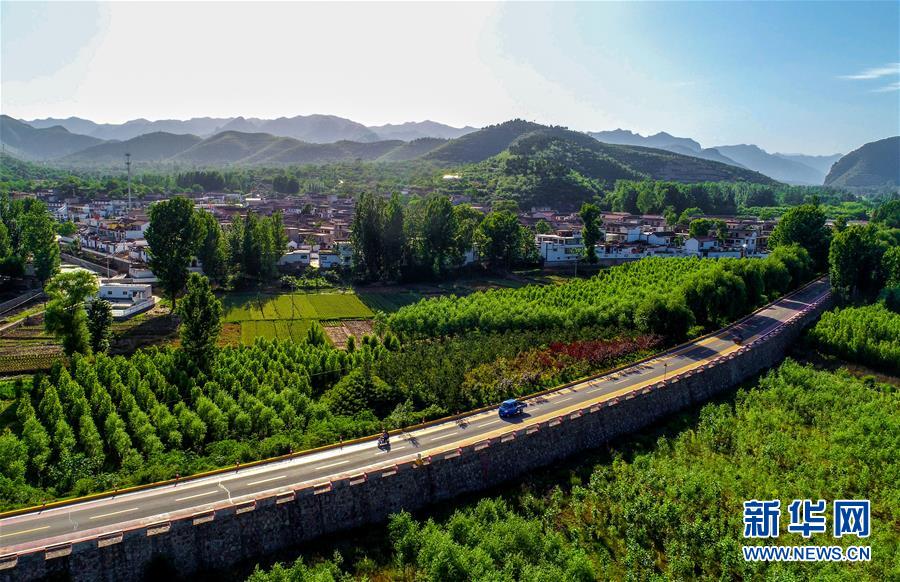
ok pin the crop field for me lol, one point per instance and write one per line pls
(253, 307)
(283, 329)
(290, 315)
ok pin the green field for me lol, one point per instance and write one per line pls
(389, 302)
(288, 316)
(284, 329)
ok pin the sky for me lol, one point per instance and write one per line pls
(810, 77)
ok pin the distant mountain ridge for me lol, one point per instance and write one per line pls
(874, 165)
(46, 143)
(790, 168)
(310, 128)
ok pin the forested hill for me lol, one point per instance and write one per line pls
(874, 165)
(151, 147)
(28, 143)
(562, 168)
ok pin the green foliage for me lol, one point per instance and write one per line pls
(172, 238)
(201, 320)
(714, 291)
(211, 249)
(805, 226)
(65, 316)
(869, 335)
(503, 241)
(591, 233)
(671, 508)
(888, 214)
(856, 262)
(39, 240)
(99, 323)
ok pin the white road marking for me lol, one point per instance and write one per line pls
(115, 513)
(24, 531)
(334, 464)
(267, 480)
(197, 495)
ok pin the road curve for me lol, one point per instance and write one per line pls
(89, 519)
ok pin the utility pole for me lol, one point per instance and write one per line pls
(128, 165)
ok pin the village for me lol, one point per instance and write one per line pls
(110, 237)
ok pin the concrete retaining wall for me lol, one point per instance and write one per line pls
(221, 538)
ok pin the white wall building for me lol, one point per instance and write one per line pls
(127, 299)
(560, 248)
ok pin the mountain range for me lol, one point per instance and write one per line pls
(790, 168)
(326, 138)
(309, 128)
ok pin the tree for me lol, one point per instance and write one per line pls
(890, 264)
(201, 320)
(888, 214)
(99, 325)
(668, 317)
(804, 225)
(393, 238)
(315, 335)
(172, 238)
(439, 233)
(40, 241)
(13, 456)
(590, 234)
(688, 215)
(65, 316)
(855, 262)
(501, 238)
(211, 249)
(543, 227)
(365, 236)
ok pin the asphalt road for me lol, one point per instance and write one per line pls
(40, 529)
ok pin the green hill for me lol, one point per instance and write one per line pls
(562, 168)
(149, 147)
(482, 144)
(48, 143)
(875, 165)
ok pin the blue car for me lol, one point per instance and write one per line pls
(511, 407)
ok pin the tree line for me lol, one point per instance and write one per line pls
(393, 239)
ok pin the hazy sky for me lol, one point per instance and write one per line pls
(809, 77)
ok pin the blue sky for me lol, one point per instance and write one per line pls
(812, 77)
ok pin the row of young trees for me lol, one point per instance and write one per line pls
(667, 297)
(149, 415)
(392, 238)
(869, 335)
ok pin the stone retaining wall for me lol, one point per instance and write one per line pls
(248, 530)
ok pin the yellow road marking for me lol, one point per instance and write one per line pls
(25, 531)
(115, 513)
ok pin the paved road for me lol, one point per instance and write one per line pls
(39, 529)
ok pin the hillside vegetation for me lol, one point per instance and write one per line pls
(562, 168)
(667, 507)
(874, 165)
